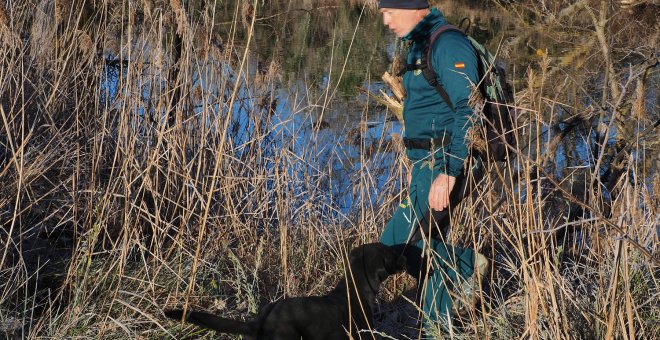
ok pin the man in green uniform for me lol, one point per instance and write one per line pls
(435, 139)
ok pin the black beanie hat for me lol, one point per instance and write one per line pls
(403, 4)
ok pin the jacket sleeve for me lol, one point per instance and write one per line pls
(455, 63)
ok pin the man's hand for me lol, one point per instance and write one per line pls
(440, 190)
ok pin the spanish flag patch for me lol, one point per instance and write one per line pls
(459, 65)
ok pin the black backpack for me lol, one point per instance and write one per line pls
(498, 113)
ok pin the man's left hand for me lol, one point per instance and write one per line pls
(440, 191)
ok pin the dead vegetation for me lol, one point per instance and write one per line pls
(146, 160)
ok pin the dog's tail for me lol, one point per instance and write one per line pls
(215, 322)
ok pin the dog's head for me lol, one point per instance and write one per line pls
(377, 261)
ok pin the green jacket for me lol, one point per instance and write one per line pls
(425, 114)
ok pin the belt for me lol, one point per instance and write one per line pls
(425, 143)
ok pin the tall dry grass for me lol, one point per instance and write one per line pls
(188, 183)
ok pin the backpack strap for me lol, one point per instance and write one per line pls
(427, 63)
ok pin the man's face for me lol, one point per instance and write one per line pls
(402, 21)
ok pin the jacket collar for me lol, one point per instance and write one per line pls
(428, 24)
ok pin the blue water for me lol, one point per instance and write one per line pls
(328, 157)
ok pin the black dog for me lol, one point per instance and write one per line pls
(347, 309)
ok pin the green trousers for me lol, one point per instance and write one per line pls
(436, 264)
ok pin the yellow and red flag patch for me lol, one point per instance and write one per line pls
(459, 65)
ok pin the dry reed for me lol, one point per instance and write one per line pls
(103, 196)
